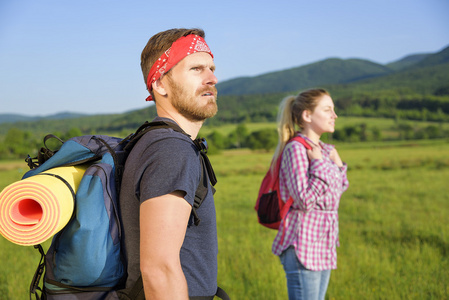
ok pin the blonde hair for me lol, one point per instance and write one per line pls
(290, 117)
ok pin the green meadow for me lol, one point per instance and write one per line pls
(394, 233)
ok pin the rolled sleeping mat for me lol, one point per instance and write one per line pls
(34, 209)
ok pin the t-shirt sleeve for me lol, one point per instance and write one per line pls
(172, 164)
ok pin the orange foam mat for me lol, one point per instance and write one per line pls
(34, 209)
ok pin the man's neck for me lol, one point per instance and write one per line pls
(190, 127)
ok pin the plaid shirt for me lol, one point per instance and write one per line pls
(311, 225)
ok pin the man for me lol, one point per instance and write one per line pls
(175, 258)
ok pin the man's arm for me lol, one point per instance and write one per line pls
(163, 223)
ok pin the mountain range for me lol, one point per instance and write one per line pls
(330, 71)
(408, 71)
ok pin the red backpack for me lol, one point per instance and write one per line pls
(269, 205)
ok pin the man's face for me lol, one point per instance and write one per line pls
(191, 87)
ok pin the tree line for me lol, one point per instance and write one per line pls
(18, 143)
(356, 103)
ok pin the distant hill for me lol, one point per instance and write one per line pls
(406, 62)
(329, 71)
(438, 58)
(413, 78)
(419, 91)
(65, 115)
(11, 118)
(429, 75)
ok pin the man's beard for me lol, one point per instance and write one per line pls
(189, 106)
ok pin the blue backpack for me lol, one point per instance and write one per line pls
(84, 260)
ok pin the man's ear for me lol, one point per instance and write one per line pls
(158, 87)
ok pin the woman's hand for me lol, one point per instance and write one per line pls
(315, 152)
(335, 158)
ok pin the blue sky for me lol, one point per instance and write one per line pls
(84, 55)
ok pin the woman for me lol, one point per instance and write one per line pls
(315, 179)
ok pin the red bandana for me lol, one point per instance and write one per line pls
(182, 47)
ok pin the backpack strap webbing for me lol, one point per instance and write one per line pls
(43, 154)
(34, 286)
(133, 138)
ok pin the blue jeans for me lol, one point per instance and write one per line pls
(303, 284)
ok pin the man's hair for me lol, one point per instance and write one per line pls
(159, 43)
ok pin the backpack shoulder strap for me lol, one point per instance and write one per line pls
(44, 153)
(301, 140)
(133, 138)
(207, 176)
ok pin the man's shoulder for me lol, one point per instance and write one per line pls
(169, 134)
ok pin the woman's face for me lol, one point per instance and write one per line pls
(323, 117)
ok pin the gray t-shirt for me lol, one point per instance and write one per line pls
(164, 161)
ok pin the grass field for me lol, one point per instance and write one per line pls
(394, 232)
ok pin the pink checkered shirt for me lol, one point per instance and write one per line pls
(311, 225)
